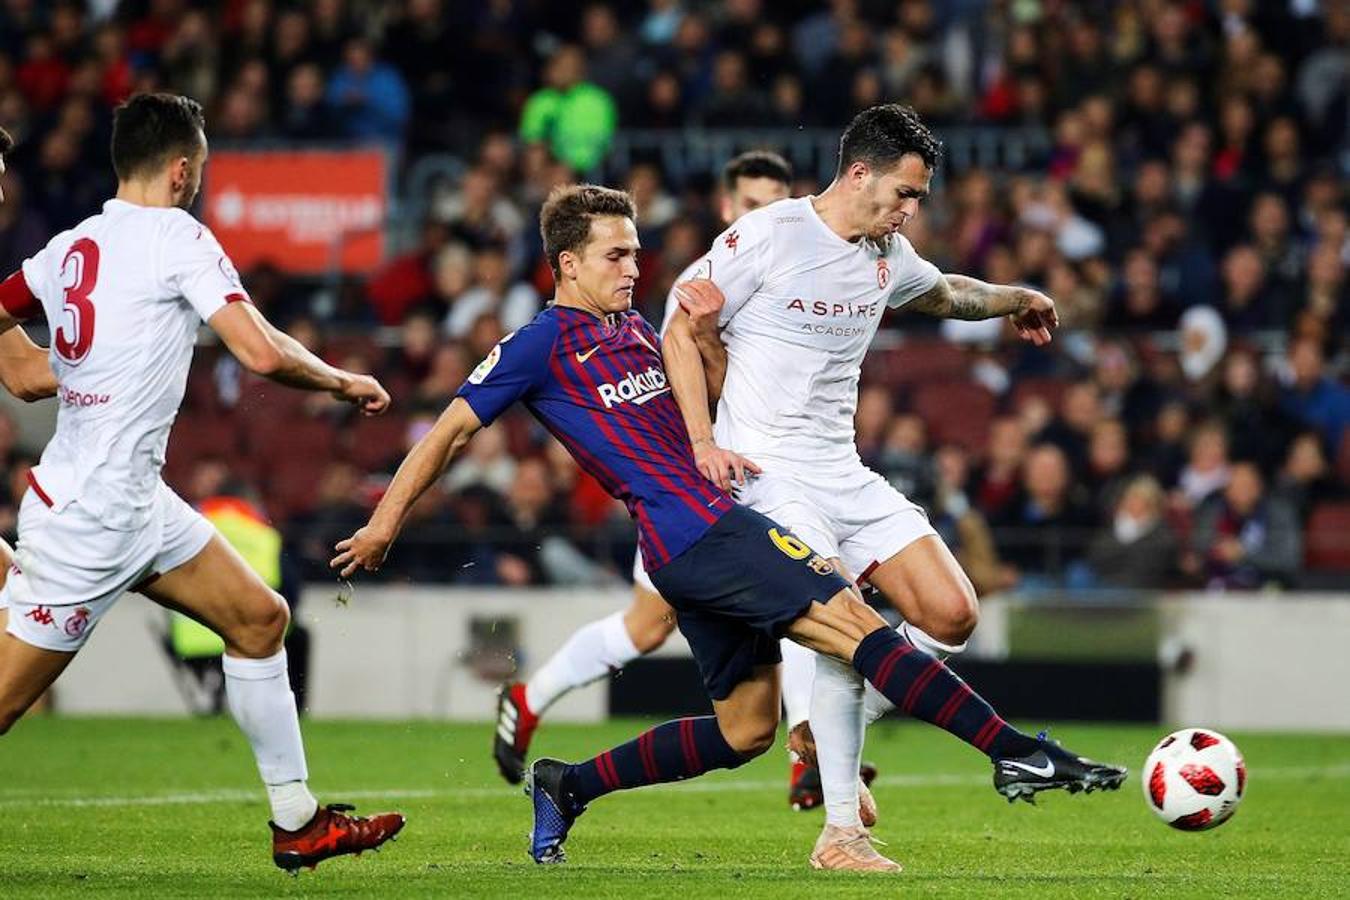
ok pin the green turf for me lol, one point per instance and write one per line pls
(143, 808)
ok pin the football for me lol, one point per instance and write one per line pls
(1194, 779)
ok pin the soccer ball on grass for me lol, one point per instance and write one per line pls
(1194, 779)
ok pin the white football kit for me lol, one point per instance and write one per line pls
(124, 292)
(802, 306)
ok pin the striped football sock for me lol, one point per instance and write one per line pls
(673, 751)
(923, 687)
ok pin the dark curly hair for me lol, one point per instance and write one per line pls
(881, 135)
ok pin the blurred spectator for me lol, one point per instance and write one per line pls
(573, 116)
(903, 458)
(1313, 398)
(1045, 527)
(962, 527)
(514, 304)
(369, 98)
(1137, 548)
(1207, 470)
(1244, 539)
(1306, 478)
(1003, 466)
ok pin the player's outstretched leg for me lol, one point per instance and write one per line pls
(922, 687)
(216, 587)
(593, 651)
(743, 728)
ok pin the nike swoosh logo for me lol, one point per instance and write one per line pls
(582, 357)
(641, 400)
(1044, 771)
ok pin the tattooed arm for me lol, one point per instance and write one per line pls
(961, 297)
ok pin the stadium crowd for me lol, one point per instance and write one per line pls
(1187, 428)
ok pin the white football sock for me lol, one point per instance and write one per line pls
(875, 704)
(799, 672)
(260, 699)
(836, 722)
(593, 651)
(929, 644)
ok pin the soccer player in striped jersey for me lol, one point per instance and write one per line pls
(750, 180)
(589, 369)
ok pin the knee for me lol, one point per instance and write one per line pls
(262, 628)
(648, 636)
(751, 738)
(957, 619)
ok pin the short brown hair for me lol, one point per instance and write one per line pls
(565, 220)
(6, 142)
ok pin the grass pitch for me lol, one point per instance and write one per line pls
(149, 808)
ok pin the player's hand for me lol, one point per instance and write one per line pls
(365, 392)
(364, 550)
(703, 301)
(724, 468)
(1036, 319)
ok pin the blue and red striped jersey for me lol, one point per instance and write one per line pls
(600, 387)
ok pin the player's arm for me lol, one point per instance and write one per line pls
(684, 371)
(426, 462)
(703, 309)
(962, 297)
(265, 350)
(24, 368)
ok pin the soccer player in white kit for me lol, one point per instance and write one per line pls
(800, 287)
(125, 292)
(749, 181)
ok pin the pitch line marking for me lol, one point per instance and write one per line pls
(12, 799)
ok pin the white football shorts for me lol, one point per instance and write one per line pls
(69, 569)
(854, 515)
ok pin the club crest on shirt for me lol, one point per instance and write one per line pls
(883, 273)
(731, 240)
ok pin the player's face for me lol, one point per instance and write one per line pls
(751, 193)
(606, 268)
(890, 199)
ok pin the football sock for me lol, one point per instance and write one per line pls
(673, 751)
(259, 696)
(593, 651)
(875, 704)
(921, 686)
(929, 644)
(837, 723)
(799, 670)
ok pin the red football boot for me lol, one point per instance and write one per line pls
(332, 833)
(515, 726)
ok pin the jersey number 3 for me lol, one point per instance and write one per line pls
(75, 333)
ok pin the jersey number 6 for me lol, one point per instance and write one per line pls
(790, 545)
(75, 332)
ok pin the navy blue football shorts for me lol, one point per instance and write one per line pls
(737, 589)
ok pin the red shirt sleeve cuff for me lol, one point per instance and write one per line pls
(17, 299)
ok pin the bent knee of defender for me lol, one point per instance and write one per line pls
(262, 625)
(956, 618)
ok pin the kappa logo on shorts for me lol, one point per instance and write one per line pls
(77, 622)
(41, 615)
